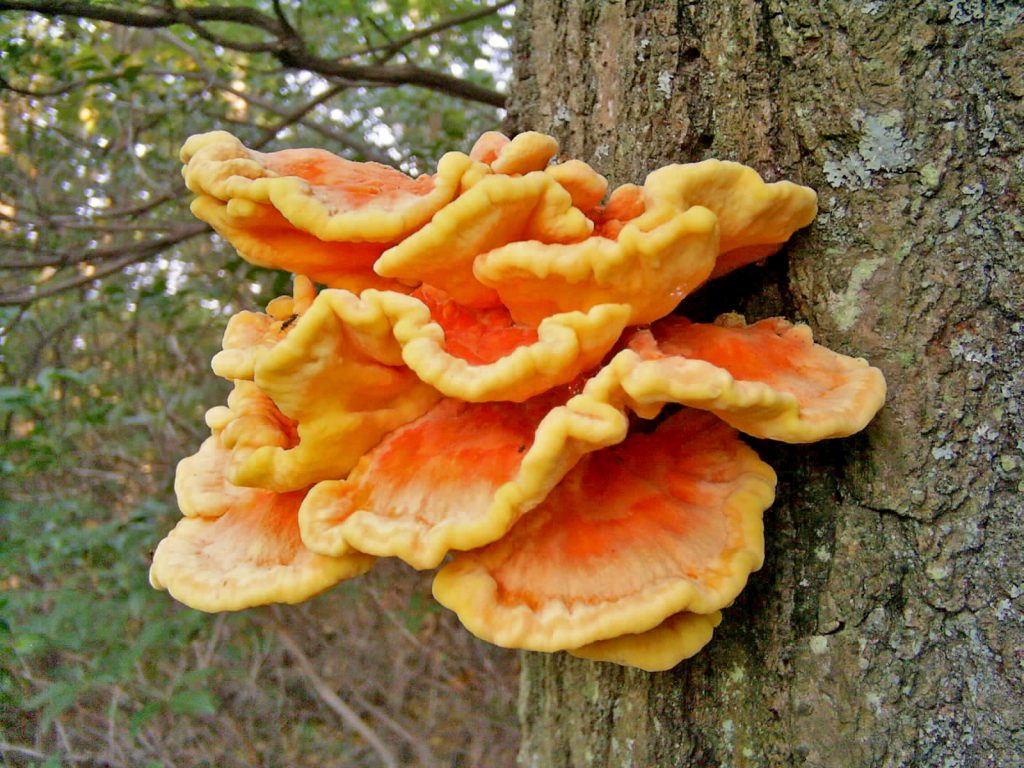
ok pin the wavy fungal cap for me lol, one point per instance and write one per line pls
(480, 356)
(530, 151)
(200, 482)
(677, 638)
(496, 211)
(329, 197)
(457, 478)
(262, 236)
(492, 377)
(338, 376)
(664, 522)
(769, 379)
(250, 554)
(248, 334)
(754, 218)
(649, 266)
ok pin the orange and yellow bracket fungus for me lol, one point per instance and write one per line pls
(769, 379)
(529, 151)
(664, 522)
(409, 499)
(495, 211)
(483, 355)
(677, 638)
(239, 547)
(309, 211)
(650, 265)
(493, 379)
(337, 374)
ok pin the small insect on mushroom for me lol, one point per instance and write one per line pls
(285, 324)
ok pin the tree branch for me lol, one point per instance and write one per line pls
(152, 18)
(296, 115)
(282, 19)
(82, 224)
(130, 255)
(6, 85)
(445, 24)
(405, 74)
(288, 48)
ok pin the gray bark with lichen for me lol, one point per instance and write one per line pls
(886, 626)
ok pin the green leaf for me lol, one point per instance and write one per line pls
(143, 715)
(194, 703)
(55, 700)
(12, 396)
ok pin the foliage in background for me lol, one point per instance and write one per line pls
(112, 300)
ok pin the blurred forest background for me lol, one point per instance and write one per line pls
(112, 301)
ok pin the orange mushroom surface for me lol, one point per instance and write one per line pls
(262, 236)
(530, 151)
(201, 485)
(650, 265)
(250, 553)
(624, 204)
(496, 211)
(309, 211)
(409, 499)
(494, 376)
(768, 379)
(334, 199)
(754, 218)
(483, 355)
(665, 522)
(338, 375)
(250, 333)
(249, 423)
(457, 478)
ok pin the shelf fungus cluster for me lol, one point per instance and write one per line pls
(491, 381)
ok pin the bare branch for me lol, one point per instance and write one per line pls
(366, 150)
(433, 29)
(62, 90)
(288, 48)
(405, 74)
(296, 115)
(134, 210)
(282, 19)
(87, 225)
(130, 255)
(51, 258)
(47, 258)
(20, 750)
(422, 749)
(151, 18)
(185, 17)
(74, 219)
(17, 749)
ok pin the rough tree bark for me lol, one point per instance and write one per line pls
(886, 626)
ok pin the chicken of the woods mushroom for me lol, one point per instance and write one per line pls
(491, 380)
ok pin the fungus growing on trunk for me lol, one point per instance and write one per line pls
(465, 384)
(239, 547)
(666, 521)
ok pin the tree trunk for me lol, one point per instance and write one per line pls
(886, 627)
